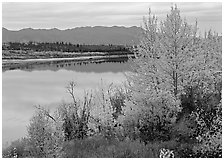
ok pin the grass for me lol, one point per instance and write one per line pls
(99, 147)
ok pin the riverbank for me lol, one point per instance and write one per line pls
(22, 54)
(20, 60)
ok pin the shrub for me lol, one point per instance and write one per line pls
(198, 126)
(16, 149)
(41, 139)
(106, 110)
(210, 133)
(75, 116)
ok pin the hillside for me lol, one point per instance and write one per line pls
(82, 35)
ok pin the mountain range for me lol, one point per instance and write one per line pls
(115, 35)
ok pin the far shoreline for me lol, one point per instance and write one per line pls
(11, 64)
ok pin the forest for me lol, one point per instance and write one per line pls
(170, 105)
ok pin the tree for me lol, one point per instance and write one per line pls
(169, 59)
(107, 107)
(41, 135)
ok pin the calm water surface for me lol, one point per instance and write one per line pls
(44, 85)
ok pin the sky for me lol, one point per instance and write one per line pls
(40, 15)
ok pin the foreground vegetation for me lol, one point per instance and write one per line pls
(172, 100)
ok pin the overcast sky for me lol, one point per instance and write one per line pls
(16, 16)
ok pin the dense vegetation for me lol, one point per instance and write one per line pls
(62, 47)
(172, 100)
(38, 50)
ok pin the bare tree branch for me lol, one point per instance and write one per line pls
(45, 112)
(70, 89)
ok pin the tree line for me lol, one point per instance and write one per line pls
(63, 47)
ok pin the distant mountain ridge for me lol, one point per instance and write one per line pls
(81, 35)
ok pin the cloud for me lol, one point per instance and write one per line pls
(70, 15)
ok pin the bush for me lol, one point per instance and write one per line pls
(199, 124)
(17, 149)
(75, 116)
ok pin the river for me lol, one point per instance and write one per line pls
(44, 84)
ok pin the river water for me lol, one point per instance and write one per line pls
(44, 84)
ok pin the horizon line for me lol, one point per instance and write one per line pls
(53, 28)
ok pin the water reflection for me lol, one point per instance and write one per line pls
(45, 85)
(91, 65)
